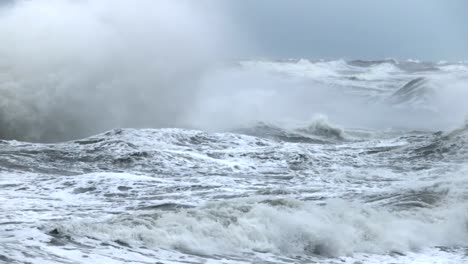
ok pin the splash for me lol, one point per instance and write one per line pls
(279, 226)
(74, 68)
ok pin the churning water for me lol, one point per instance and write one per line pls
(281, 162)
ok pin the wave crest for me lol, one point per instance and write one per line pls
(287, 227)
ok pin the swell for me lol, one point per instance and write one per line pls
(318, 131)
(443, 146)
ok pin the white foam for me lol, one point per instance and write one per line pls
(289, 228)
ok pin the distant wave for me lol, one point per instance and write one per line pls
(417, 89)
(322, 127)
(57, 104)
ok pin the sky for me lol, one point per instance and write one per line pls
(358, 29)
(430, 30)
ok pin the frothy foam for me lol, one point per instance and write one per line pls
(288, 227)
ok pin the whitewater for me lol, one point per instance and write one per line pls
(261, 192)
(134, 132)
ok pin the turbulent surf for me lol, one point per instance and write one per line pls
(283, 162)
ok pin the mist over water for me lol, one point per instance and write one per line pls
(71, 69)
(74, 68)
(294, 93)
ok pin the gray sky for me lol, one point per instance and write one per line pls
(367, 29)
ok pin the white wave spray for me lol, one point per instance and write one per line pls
(286, 227)
(74, 68)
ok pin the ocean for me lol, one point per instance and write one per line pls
(309, 162)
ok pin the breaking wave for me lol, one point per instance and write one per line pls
(319, 131)
(130, 194)
(322, 127)
(280, 226)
